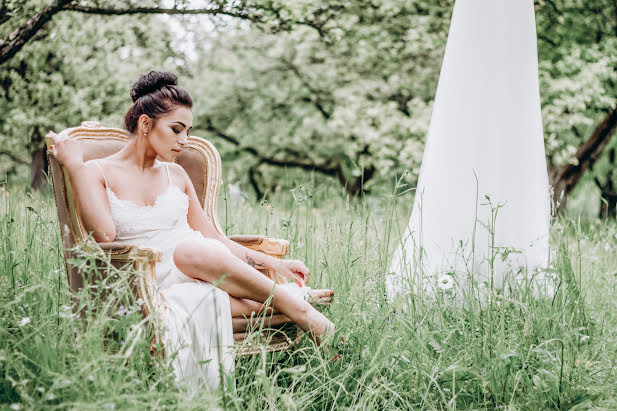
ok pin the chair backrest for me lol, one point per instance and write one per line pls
(199, 158)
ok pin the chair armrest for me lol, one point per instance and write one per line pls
(271, 246)
(119, 251)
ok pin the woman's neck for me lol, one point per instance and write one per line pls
(138, 152)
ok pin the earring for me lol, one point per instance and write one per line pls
(145, 134)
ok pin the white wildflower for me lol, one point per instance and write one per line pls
(65, 312)
(445, 282)
(24, 321)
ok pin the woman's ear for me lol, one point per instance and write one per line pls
(144, 124)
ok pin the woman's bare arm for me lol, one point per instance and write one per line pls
(198, 221)
(89, 190)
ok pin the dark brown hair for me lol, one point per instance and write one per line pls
(154, 94)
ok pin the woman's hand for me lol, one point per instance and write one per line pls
(295, 270)
(68, 152)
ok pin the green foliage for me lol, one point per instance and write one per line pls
(578, 71)
(356, 90)
(81, 69)
(344, 88)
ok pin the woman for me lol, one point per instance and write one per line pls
(205, 279)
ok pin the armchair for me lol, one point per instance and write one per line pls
(203, 165)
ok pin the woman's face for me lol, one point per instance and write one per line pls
(170, 133)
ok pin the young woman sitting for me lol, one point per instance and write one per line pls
(140, 196)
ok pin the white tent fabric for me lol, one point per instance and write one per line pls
(485, 139)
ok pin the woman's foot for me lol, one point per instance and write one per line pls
(317, 326)
(320, 297)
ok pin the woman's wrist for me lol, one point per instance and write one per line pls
(271, 263)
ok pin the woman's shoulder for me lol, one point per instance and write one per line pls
(103, 162)
(94, 170)
(176, 169)
(176, 172)
(103, 165)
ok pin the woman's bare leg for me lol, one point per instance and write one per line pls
(242, 324)
(243, 307)
(211, 263)
(249, 313)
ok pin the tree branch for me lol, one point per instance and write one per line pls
(565, 178)
(606, 192)
(13, 157)
(14, 42)
(11, 44)
(316, 94)
(5, 15)
(112, 11)
(330, 167)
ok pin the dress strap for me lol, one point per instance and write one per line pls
(168, 176)
(96, 162)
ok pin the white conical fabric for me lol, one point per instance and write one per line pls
(485, 139)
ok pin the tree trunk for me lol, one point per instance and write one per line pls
(565, 178)
(38, 168)
(253, 177)
(608, 208)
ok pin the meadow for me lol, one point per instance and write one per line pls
(512, 351)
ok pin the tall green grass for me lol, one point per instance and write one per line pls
(520, 352)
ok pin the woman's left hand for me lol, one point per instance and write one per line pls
(295, 270)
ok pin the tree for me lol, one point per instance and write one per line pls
(27, 23)
(81, 71)
(578, 57)
(24, 31)
(342, 88)
(350, 100)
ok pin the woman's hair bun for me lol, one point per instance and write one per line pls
(151, 82)
(155, 94)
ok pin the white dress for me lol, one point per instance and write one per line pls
(198, 333)
(485, 140)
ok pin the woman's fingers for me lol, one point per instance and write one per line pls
(296, 271)
(302, 270)
(68, 152)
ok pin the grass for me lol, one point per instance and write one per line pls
(519, 352)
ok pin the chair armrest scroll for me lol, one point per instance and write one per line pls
(271, 246)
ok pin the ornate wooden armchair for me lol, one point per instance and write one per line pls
(203, 164)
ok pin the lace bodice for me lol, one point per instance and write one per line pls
(159, 226)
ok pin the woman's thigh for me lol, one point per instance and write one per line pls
(204, 259)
